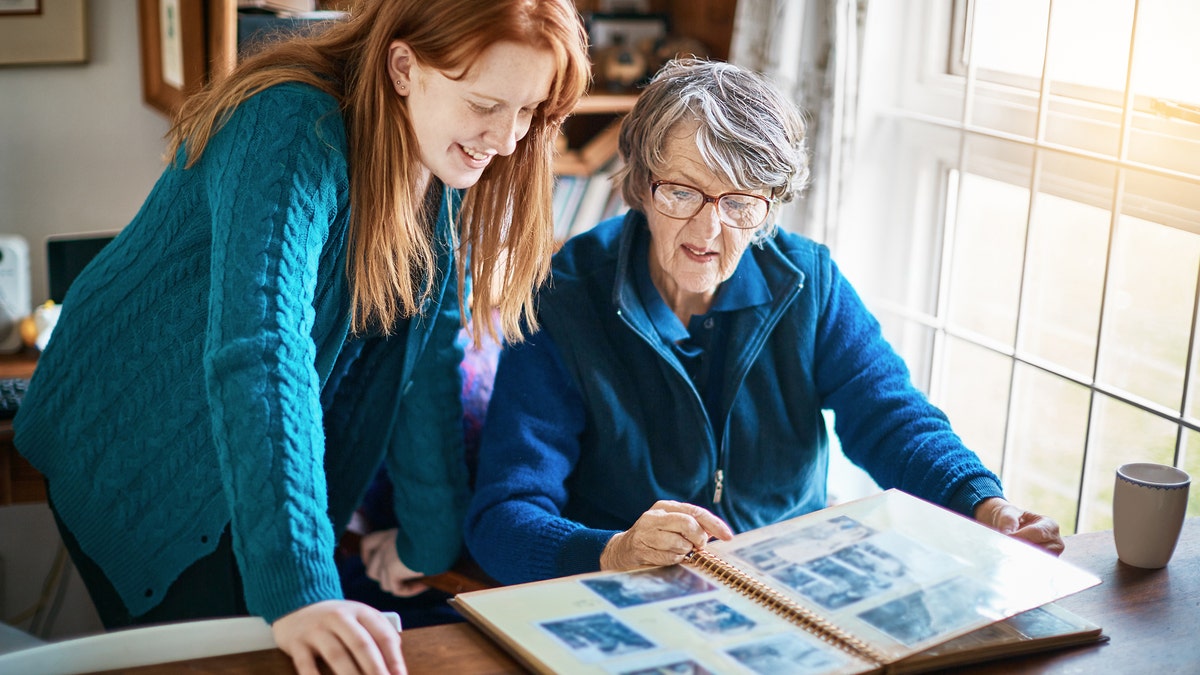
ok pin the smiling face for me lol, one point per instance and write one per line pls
(690, 258)
(461, 124)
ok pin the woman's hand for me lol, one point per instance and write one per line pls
(383, 565)
(662, 536)
(1018, 523)
(349, 637)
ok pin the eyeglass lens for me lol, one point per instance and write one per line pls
(735, 210)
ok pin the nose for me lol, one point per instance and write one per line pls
(504, 132)
(708, 220)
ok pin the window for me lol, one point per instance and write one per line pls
(1025, 221)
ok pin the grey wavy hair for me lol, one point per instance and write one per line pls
(749, 132)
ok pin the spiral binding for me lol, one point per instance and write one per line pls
(775, 601)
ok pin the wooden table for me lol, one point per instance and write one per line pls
(1149, 615)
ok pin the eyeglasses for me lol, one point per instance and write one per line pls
(736, 209)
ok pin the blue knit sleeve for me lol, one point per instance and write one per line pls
(514, 528)
(277, 182)
(884, 423)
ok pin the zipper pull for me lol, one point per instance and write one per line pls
(718, 485)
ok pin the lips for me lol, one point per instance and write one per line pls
(475, 158)
(700, 255)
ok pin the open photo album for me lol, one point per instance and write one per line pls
(888, 583)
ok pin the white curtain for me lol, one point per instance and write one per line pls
(811, 49)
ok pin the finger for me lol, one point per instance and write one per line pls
(710, 524)
(386, 639)
(359, 653)
(660, 547)
(1043, 533)
(408, 588)
(372, 569)
(333, 652)
(685, 525)
(303, 660)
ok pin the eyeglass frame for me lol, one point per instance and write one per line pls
(710, 199)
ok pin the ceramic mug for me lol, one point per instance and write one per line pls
(1149, 503)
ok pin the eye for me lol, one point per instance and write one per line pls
(738, 203)
(482, 108)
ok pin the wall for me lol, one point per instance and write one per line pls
(79, 151)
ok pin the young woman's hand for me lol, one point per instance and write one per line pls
(383, 564)
(1039, 530)
(662, 535)
(349, 637)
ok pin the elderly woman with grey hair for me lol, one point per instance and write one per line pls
(687, 350)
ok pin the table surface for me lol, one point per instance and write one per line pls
(1149, 615)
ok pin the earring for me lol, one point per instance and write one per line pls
(401, 86)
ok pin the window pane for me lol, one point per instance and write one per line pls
(1089, 42)
(1121, 433)
(1167, 51)
(989, 242)
(1010, 36)
(976, 405)
(1148, 310)
(1191, 464)
(1064, 275)
(1045, 453)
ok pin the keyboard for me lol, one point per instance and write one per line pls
(12, 390)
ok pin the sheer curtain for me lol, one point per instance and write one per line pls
(810, 48)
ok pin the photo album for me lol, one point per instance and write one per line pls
(887, 583)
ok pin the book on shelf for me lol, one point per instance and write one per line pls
(887, 583)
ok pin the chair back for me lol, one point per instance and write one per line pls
(142, 646)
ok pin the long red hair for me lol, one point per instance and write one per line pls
(505, 225)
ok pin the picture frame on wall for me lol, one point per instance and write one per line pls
(36, 32)
(173, 51)
(11, 7)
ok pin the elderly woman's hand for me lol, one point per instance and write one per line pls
(383, 565)
(1018, 523)
(662, 536)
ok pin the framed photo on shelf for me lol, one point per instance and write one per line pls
(174, 53)
(43, 31)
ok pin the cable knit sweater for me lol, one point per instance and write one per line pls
(182, 388)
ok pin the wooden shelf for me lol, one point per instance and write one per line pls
(605, 103)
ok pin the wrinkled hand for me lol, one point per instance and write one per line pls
(349, 637)
(384, 565)
(662, 536)
(1018, 523)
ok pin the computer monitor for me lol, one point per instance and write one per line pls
(67, 255)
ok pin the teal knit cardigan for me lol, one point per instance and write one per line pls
(181, 389)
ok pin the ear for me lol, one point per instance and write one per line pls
(401, 64)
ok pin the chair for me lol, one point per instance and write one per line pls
(13, 639)
(144, 646)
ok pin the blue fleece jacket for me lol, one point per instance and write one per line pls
(182, 387)
(594, 418)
